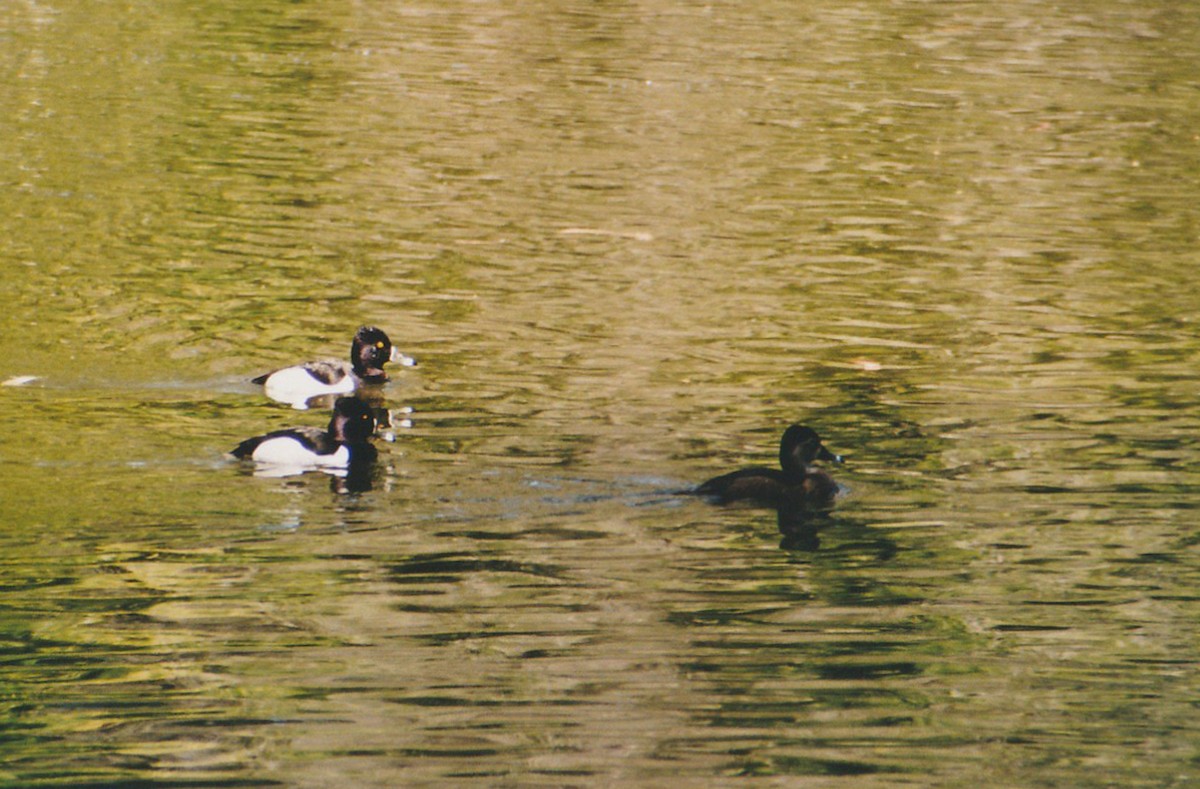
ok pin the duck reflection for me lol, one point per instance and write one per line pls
(800, 493)
(799, 528)
(358, 476)
(387, 420)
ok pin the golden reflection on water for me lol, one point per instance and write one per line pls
(628, 244)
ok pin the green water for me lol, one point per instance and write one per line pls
(629, 243)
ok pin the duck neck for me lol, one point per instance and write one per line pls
(367, 370)
(337, 428)
(371, 375)
(793, 467)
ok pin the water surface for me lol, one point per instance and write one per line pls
(629, 244)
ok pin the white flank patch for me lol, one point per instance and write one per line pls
(295, 386)
(284, 451)
(20, 380)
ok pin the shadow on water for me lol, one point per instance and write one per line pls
(799, 527)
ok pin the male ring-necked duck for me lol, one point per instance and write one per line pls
(795, 484)
(369, 352)
(297, 449)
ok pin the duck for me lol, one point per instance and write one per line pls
(341, 446)
(796, 484)
(369, 352)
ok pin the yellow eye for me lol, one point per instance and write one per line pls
(379, 344)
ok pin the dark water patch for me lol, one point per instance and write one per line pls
(809, 766)
(441, 639)
(1082, 603)
(38, 583)
(550, 533)
(447, 569)
(868, 671)
(707, 618)
(451, 607)
(439, 701)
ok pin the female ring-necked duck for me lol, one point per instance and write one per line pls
(795, 484)
(369, 352)
(297, 449)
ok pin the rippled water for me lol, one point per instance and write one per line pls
(629, 244)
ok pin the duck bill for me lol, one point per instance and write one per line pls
(401, 359)
(825, 454)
